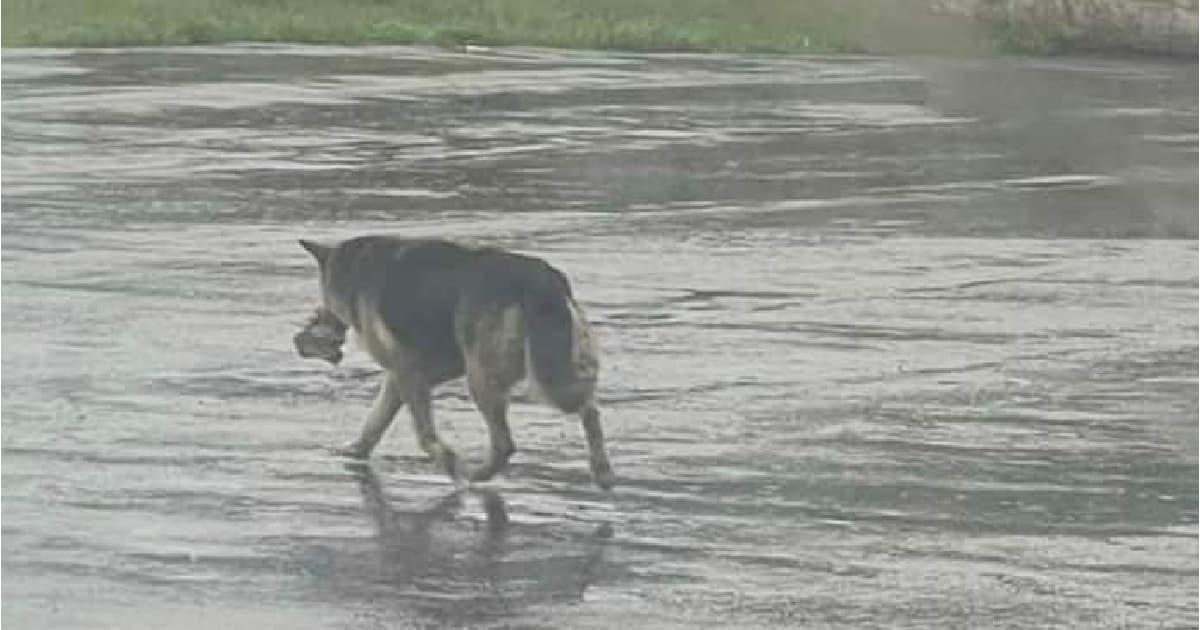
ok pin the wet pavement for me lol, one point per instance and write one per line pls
(886, 343)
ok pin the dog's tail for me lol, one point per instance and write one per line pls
(560, 354)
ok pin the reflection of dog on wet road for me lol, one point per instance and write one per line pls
(429, 311)
(419, 543)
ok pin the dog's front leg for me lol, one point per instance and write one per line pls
(417, 395)
(387, 402)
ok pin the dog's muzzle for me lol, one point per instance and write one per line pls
(320, 341)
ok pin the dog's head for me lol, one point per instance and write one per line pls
(322, 337)
(323, 333)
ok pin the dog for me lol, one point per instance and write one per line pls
(429, 311)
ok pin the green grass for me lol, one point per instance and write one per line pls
(792, 26)
(1088, 26)
(696, 25)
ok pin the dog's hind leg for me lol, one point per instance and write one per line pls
(387, 402)
(597, 458)
(494, 349)
(418, 398)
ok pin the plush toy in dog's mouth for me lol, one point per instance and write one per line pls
(321, 338)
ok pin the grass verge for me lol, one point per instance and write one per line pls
(788, 26)
(701, 25)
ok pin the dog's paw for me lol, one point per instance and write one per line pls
(352, 450)
(449, 461)
(605, 479)
(487, 471)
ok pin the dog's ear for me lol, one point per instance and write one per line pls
(319, 251)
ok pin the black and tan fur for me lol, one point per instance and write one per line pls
(429, 311)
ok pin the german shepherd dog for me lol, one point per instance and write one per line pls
(429, 311)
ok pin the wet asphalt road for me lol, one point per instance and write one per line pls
(886, 343)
